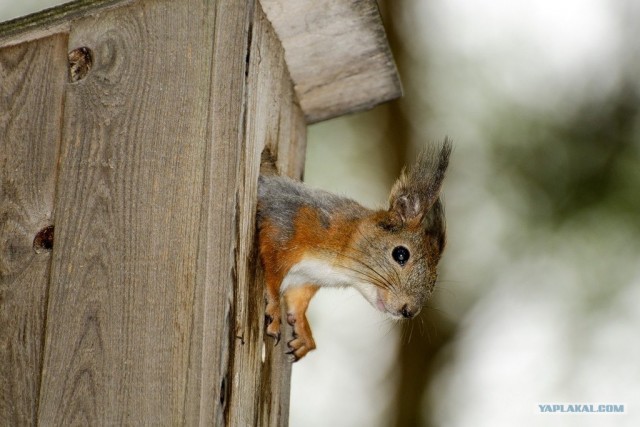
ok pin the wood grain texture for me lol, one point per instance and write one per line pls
(120, 341)
(337, 54)
(336, 50)
(260, 390)
(210, 378)
(32, 76)
(154, 312)
(291, 146)
(53, 20)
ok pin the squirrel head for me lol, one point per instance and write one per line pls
(398, 249)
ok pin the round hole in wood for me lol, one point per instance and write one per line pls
(80, 62)
(43, 242)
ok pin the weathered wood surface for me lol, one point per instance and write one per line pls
(220, 216)
(32, 77)
(337, 54)
(128, 220)
(154, 312)
(336, 50)
(274, 120)
(54, 20)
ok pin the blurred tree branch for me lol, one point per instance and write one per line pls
(425, 336)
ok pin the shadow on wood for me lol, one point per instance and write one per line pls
(130, 141)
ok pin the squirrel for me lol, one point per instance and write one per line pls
(309, 238)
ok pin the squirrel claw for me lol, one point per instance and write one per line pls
(299, 347)
(272, 326)
(294, 357)
(276, 336)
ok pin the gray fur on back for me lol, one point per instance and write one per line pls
(280, 198)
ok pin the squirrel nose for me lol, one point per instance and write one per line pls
(406, 312)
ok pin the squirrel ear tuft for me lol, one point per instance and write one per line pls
(417, 189)
(404, 207)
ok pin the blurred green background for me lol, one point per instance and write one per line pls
(539, 292)
(539, 295)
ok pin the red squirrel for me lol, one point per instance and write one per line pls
(310, 238)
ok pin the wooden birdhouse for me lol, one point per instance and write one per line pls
(130, 140)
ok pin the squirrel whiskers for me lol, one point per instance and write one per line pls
(310, 238)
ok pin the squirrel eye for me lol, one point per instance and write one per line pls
(400, 255)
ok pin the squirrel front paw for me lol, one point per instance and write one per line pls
(302, 342)
(272, 321)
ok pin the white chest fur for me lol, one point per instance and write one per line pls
(317, 272)
(322, 273)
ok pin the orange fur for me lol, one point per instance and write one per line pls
(278, 259)
(309, 233)
(298, 300)
(309, 238)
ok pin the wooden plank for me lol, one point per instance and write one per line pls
(124, 330)
(274, 120)
(53, 20)
(276, 374)
(32, 77)
(336, 50)
(155, 314)
(337, 54)
(210, 379)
